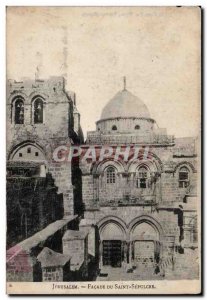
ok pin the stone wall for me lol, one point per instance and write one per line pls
(56, 129)
(62, 174)
(21, 260)
(165, 188)
(185, 266)
(168, 220)
(52, 274)
(126, 125)
(20, 267)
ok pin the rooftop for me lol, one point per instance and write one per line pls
(39, 237)
(50, 258)
(125, 104)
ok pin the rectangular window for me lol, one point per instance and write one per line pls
(183, 176)
(111, 178)
(183, 179)
(142, 183)
(183, 184)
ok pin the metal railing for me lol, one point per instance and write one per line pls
(98, 138)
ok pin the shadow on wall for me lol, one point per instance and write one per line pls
(32, 204)
(93, 266)
(77, 188)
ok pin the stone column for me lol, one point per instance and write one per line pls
(124, 248)
(130, 253)
(124, 183)
(100, 255)
(125, 252)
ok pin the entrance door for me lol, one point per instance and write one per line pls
(144, 252)
(112, 253)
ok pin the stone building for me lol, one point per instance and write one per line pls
(75, 243)
(33, 259)
(145, 209)
(128, 214)
(41, 115)
(55, 266)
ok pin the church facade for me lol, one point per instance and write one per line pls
(130, 213)
(144, 208)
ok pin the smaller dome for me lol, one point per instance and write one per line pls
(125, 104)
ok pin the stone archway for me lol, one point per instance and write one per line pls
(147, 219)
(112, 242)
(145, 243)
(27, 151)
(29, 157)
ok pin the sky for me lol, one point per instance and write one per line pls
(157, 49)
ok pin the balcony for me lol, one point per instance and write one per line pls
(149, 200)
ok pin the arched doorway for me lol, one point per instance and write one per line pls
(145, 245)
(112, 244)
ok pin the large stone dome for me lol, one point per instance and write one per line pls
(125, 105)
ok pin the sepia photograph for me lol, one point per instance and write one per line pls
(103, 150)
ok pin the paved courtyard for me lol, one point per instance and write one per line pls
(113, 274)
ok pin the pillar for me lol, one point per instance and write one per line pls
(100, 254)
(125, 252)
(130, 253)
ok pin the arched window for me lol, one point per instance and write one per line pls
(110, 175)
(184, 179)
(114, 127)
(19, 111)
(38, 111)
(27, 152)
(142, 178)
(137, 127)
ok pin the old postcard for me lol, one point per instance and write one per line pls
(103, 150)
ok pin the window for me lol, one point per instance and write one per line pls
(19, 111)
(51, 269)
(114, 127)
(20, 154)
(137, 127)
(184, 177)
(142, 180)
(38, 111)
(110, 175)
(28, 150)
(36, 153)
